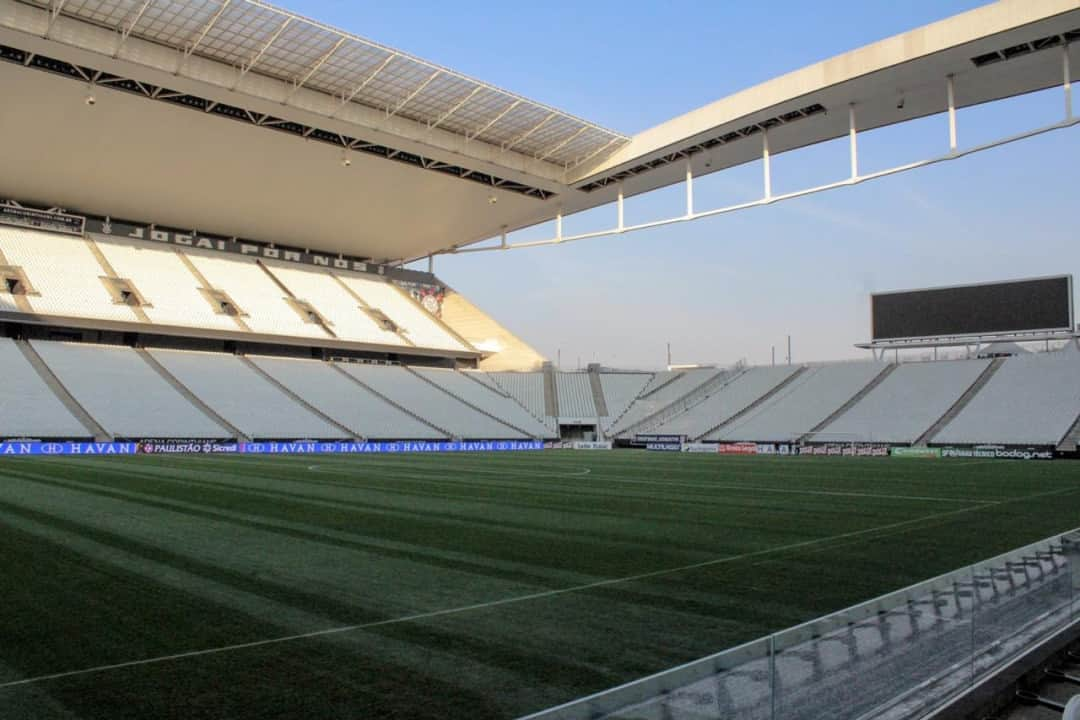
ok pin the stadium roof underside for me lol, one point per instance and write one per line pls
(238, 118)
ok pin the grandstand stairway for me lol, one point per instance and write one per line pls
(468, 404)
(190, 396)
(363, 304)
(961, 403)
(389, 401)
(852, 402)
(1071, 441)
(698, 393)
(754, 405)
(597, 392)
(73, 406)
(290, 294)
(551, 393)
(612, 421)
(660, 386)
(349, 432)
(110, 271)
(206, 287)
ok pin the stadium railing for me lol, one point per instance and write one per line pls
(897, 656)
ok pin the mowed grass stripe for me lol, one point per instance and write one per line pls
(983, 479)
(685, 514)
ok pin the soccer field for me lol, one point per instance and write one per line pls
(454, 586)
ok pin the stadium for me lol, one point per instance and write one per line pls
(262, 461)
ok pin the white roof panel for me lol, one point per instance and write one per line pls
(261, 38)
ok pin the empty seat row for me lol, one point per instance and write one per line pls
(70, 276)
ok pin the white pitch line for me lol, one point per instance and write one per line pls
(843, 493)
(660, 484)
(477, 606)
(351, 470)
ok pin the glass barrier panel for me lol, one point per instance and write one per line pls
(734, 684)
(867, 660)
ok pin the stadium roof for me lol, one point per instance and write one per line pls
(428, 149)
(258, 37)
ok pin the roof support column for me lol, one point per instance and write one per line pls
(950, 88)
(853, 137)
(620, 206)
(558, 227)
(431, 264)
(767, 163)
(689, 189)
(1067, 73)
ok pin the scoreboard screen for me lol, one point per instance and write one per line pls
(984, 309)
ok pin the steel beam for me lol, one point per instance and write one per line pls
(359, 88)
(494, 120)
(246, 68)
(314, 69)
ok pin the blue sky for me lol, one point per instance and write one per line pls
(729, 288)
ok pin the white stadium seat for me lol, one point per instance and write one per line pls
(525, 387)
(732, 398)
(347, 320)
(906, 403)
(664, 389)
(483, 397)
(258, 296)
(575, 396)
(333, 393)
(28, 407)
(1032, 399)
(113, 384)
(803, 404)
(620, 390)
(165, 282)
(420, 327)
(421, 398)
(65, 273)
(244, 398)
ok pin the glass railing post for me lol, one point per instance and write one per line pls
(772, 677)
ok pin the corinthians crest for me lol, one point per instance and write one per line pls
(431, 297)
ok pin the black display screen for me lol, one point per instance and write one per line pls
(1015, 306)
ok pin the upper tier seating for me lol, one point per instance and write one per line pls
(743, 390)
(906, 403)
(421, 398)
(347, 319)
(479, 395)
(28, 407)
(126, 396)
(248, 401)
(165, 282)
(262, 302)
(63, 271)
(621, 389)
(66, 278)
(420, 327)
(803, 404)
(575, 396)
(333, 393)
(1031, 399)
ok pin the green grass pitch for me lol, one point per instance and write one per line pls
(455, 586)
